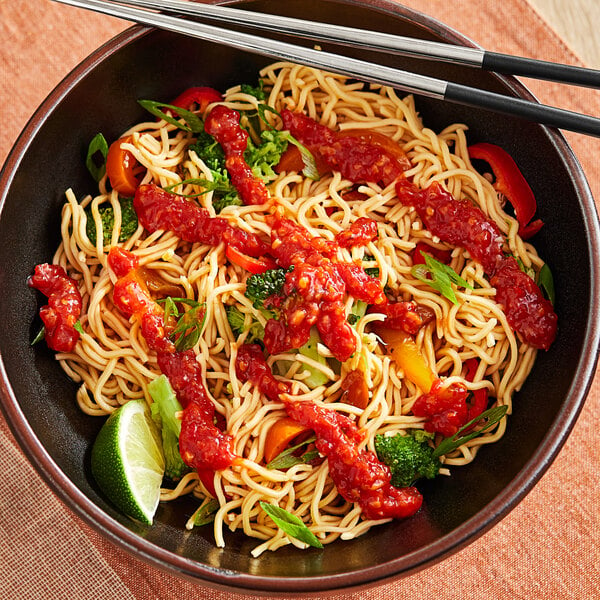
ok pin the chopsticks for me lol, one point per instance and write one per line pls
(383, 42)
(371, 72)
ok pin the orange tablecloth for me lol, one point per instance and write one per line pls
(547, 548)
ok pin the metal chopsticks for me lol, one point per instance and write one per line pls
(384, 42)
(374, 73)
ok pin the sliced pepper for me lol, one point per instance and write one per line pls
(406, 354)
(280, 435)
(254, 265)
(202, 96)
(123, 170)
(356, 391)
(479, 400)
(509, 182)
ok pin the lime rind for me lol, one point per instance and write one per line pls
(128, 462)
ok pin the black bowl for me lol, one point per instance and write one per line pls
(39, 400)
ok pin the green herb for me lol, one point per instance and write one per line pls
(78, 327)
(164, 409)
(372, 272)
(206, 513)
(129, 222)
(189, 324)
(545, 281)
(193, 122)
(41, 334)
(439, 276)
(97, 169)
(409, 457)
(286, 459)
(493, 415)
(291, 524)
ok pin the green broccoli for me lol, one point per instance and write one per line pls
(262, 285)
(209, 151)
(409, 457)
(267, 154)
(257, 91)
(237, 322)
(129, 222)
(163, 409)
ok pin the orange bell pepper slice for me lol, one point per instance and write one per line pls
(406, 354)
(122, 169)
(280, 435)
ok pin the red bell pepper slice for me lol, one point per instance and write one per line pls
(480, 397)
(509, 182)
(254, 265)
(202, 96)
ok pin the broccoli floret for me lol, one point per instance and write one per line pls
(262, 285)
(237, 322)
(257, 91)
(409, 457)
(129, 222)
(163, 409)
(262, 158)
(209, 151)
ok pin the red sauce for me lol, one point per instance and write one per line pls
(223, 124)
(460, 223)
(357, 155)
(314, 291)
(405, 316)
(202, 445)
(526, 309)
(457, 222)
(157, 209)
(357, 473)
(360, 233)
(64, 306)
(445, 408)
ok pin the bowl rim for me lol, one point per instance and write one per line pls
(464, 534)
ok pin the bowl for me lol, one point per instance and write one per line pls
(39, 401)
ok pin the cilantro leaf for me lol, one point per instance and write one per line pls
(439, 276)
(291, 524)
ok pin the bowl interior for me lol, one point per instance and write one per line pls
(50, 158)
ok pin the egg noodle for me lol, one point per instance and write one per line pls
(112, 362)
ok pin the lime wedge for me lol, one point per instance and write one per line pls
(128, 462)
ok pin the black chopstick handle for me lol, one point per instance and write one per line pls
(539, 113)
(540, 69)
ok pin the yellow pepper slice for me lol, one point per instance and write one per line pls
(406, 354)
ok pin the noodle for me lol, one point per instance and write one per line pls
(112, 362)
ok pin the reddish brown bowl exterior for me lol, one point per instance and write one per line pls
(39, 401)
